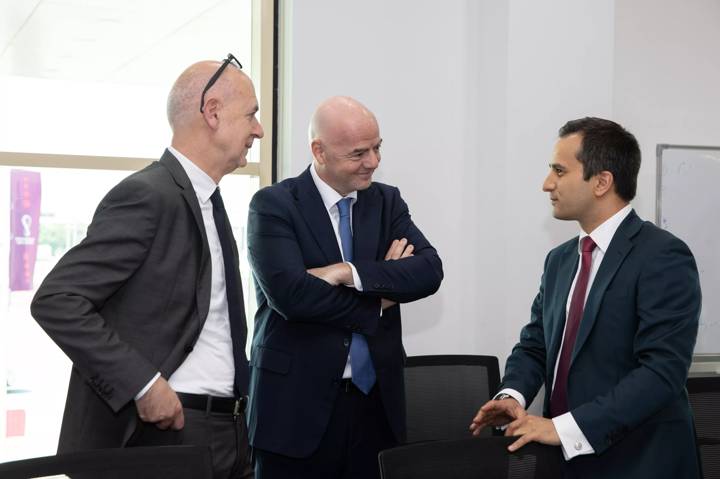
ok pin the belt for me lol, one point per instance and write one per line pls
(347, 385)
(214, 404)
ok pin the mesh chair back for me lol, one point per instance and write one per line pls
(443, 394)
(704, 396)
(176, 462)
(474, 458)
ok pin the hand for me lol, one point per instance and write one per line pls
(532, 428)
(497, 413)
(399, 249)
(334, 274)
(161, 406)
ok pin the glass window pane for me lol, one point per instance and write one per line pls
(90, 77)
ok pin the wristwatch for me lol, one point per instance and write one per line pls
(502, 396)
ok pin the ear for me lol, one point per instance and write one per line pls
(604, 182)
(318, 151)
(211, 112)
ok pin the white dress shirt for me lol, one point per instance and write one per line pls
(330, 197)
(209, 368)
(573, 441)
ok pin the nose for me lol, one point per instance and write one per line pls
(549, 183)
(373, 159)
(259, 132)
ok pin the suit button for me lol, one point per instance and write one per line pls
(346, 342)
(578, 446)
(376, 285)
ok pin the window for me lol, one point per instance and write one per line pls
(83, 85)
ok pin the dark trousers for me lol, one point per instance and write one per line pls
(224, 434)
(358, 430)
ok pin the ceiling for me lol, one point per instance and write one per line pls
(122, 41)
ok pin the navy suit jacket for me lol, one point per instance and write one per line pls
(303, 326)
(626, 384)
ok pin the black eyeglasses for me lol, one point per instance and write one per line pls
(230, 58)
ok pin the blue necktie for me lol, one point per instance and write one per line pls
(363, 372)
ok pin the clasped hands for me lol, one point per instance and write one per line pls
(509, 412)
(341, 274)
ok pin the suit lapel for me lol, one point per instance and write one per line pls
(190, 197)
(566, 274)
(620, 245)
(313, 211)
(366, 224)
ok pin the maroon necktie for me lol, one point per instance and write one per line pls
(558, 400)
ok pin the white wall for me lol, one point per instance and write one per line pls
(470, 95)
(667, 79)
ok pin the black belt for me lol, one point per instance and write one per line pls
(214, 404)
(347, 385)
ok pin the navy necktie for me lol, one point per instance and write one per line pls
(363, 372)
(233, 290)
(558, 399)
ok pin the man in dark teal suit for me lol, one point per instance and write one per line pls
(612, 329)
(332, 253)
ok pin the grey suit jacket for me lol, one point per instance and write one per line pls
(128, 301)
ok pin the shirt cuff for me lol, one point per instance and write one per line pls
(147, 386)
(573, 441)
(516, 395)
(357, 284)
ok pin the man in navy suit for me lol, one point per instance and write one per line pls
(333, 255)
(612, 329)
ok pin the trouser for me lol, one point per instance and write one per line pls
(225, 433)
(357, 431)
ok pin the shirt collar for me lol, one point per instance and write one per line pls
(329, 196)
(203, 185)
(603, 234)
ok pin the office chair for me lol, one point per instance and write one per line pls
(443, 394)
(474, 458)
(176, 462)
(704, 393)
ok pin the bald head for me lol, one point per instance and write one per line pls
(217, 139)
(345, 144)
(183, 103)
(338, 118)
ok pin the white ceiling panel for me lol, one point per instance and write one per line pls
(13, 15)
(128, 41)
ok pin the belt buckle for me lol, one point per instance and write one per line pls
(239, 406)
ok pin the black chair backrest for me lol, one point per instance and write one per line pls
(474, 458)
(704, 393)
(443, 394)
(176, 462)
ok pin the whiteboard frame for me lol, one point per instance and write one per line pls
(704, 364)
(658, 171)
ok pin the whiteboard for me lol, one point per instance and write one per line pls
(688, 205)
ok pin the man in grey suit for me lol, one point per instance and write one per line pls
(149, 305)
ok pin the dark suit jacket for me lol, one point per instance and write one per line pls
(626, 384)
(303, 325)
(128, 301)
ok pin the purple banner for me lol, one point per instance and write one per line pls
(24, 227)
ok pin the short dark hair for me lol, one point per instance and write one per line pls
(607, 146)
